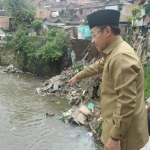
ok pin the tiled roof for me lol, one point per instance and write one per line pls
(81, 17)
(74, 4)
(4, 13)
(57, 9)
(142, 2)
(51, 20)
(92, 5)
(61, 19)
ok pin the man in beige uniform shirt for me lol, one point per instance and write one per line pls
(122, 104)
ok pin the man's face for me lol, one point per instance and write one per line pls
(100, 38)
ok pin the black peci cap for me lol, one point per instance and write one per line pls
(104, 17)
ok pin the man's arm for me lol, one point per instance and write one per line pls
(94, 69)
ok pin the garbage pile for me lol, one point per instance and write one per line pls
(88, 115)
(58, 86)
(83, 98)
(10, 69)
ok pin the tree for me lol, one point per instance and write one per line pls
(37, 25)
(54, 47)
(21, 11)
(132, 24)
(135, 15)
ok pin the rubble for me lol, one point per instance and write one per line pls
(83, 98)
(10, 69)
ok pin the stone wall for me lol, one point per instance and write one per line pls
(43, 13)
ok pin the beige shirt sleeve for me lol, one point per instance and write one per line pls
(94, 69)
(123, 71)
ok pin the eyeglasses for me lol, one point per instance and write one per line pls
(93, 35)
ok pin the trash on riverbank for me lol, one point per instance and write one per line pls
(82, 115)
(50, 114)
(10, 69)
(148, 100)
(83, 98)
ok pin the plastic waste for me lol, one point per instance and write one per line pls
(90, 106)
(66, 114)
(89, 133)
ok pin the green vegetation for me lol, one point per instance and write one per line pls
(98, 128)
(33, 50)
(21, 11)
(54, 46)
(77, 66)
(37, 25)
(136, 10)
(37, 53)
(147, 82)
(136, 14)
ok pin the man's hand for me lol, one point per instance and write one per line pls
(148, 108)
(73, 80)
(113, 145)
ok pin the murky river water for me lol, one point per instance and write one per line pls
(23, 125)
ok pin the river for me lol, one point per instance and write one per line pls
(23, 124)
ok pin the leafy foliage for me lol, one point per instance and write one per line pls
(98, 128)
(21, 11)
(31, 51)
(55, 44)
(132, 23)
(135, 10)
(147, 82)
(23, 44)
(37, 25)
(78, 66)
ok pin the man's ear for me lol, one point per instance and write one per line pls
(108, 31)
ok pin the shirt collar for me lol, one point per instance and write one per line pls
(110, 47)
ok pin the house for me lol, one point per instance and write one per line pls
(43, 3)
(57, 9)
(78, 17)
(5, 20)
(1, 5)
(74, 1)
(89, 7)
(144, 21)
(125, 7)
(125, 12)
(76, 20)
(72, 8)
(42, 13)
(61, 0)
(61, 20)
